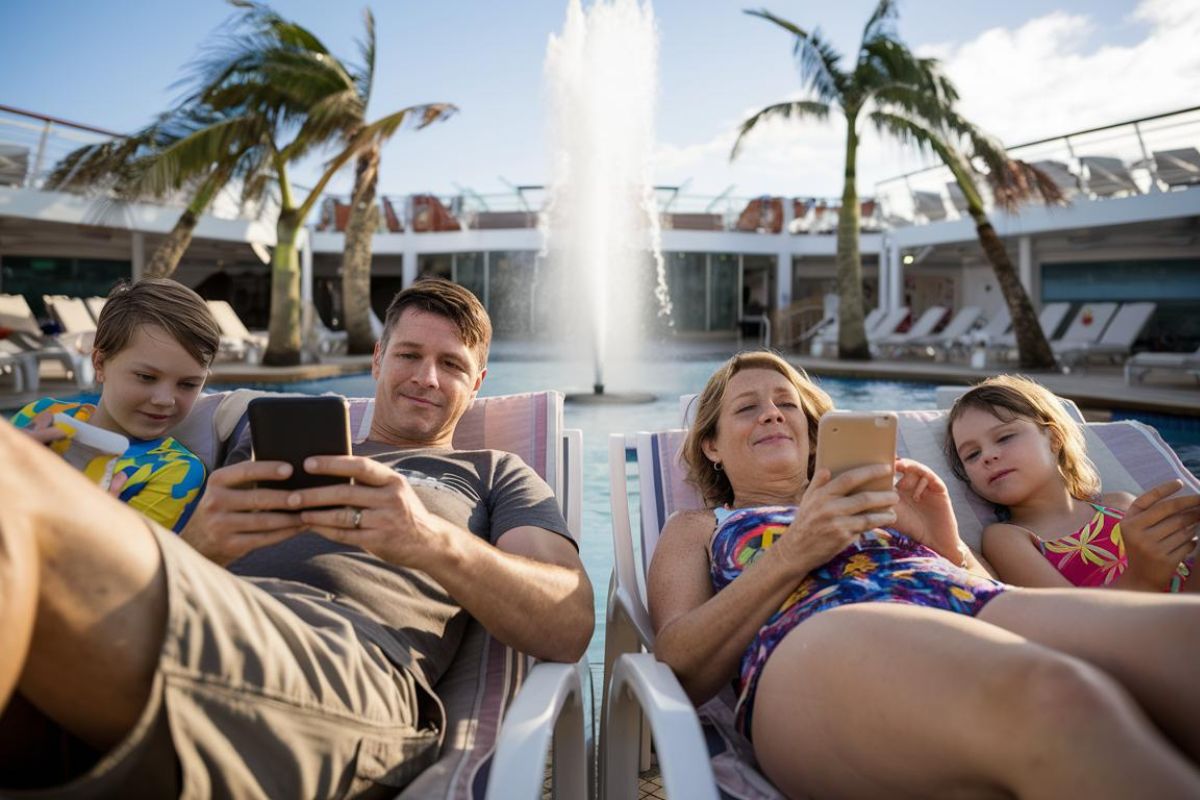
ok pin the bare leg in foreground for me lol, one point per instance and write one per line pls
(82, 596)
(890, 700)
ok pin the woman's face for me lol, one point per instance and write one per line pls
(762, 430)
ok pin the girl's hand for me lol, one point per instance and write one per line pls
(924, 512)
(1159, 531)
(832, 514)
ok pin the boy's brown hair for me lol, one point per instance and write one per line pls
(163, 302)
(449, 300)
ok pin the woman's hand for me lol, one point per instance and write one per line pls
(924, 512)
(1158, 531)
(832, 514)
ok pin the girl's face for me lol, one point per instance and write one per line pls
(1005, 461)
(762, 430)
(149, 387)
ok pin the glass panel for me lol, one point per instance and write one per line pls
(468, 269)
(685, 281)
(723, 300)
(435, 265)
(34, 276)
(511, 289)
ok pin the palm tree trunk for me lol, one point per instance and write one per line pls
(166, 257)
(356, 257)
(1033, 350)
(283, 346)
(852, 336)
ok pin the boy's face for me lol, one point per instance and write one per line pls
(149, 387)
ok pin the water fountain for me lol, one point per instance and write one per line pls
(601, 222)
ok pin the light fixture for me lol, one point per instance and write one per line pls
(908, 258)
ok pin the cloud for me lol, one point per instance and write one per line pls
(1040, 79)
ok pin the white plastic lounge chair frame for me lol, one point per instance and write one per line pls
(1141, 364)
(923, 327)
(538, 703)
(1178, 167)
(825, 342)
(1107, 176)
(1049, 319)
(16, 315)
(237, 341)
(1145, 460)
(1116, 341)
(953, 336)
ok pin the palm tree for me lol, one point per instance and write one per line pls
(885, 76)
(959, 144)
(117, 168)
(283, 95)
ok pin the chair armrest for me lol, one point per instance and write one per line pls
(549, 706)
(638, 681)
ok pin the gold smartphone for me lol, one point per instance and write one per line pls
(849, 439)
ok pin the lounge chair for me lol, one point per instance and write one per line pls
(321, 339)
(1087, 326)
(21, 365)
(720, 758)
(237, 342)
(1066, 181)
(25, 333)
(1178, 167)
(94, 306)
(887, 325)
(502, 710)
(1049, 320)
(1105, 176)
(73, 318)
(949, 338)
(14, 164)
(1141, 364)
(923, 327)
(930, 206)
(825, 341)
(1116, 341)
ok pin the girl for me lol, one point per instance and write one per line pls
(1013, 443)
(155, 340)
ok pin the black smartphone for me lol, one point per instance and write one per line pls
(293, 428)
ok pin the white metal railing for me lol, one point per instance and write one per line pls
(1150, 154)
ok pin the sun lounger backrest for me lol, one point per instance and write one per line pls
(925, 323)
(1089, 323)
(70, 312)
(1052, 316)
(998, 324)
(16, 314)
(1127, 324)
(1179, 167)
(228, 321)
(962, 322)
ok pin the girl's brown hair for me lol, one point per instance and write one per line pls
(714, 486)
(1007, 397)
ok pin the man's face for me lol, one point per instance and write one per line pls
(426, 378)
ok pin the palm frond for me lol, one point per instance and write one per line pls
(880, 23)
(365, 79)
(816, 59)
(793, 109)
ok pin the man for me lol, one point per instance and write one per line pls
(291, 650)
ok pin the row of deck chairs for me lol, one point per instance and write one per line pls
(700, 752)
(1098, 176)
(24, 347)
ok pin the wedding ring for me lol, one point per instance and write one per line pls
(358, 518)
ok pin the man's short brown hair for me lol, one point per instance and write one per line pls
(163, 302)
(449, 300)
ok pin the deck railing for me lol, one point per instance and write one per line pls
(1157, 153)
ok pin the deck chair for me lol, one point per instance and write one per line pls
(14, 164)
(1139, 365)
(1086, 327)
(73, 318)
(923, 327)
(1116, 341)
(1049, 320)
(949, 338)
(94, 306)
(825, 341)
(888, 323)
(1106, 176)
(26, 335)
(719, 759)
(20, 365)
(1066, 181)
(957, 199)
(930, 205)
(237, 341)
(502, 709)
(1178, 167)
(318, 337)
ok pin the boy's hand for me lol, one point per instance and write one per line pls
(41, 428)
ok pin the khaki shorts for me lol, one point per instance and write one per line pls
(264, 688)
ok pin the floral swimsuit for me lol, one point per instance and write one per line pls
(1094, 555)
(882, 566)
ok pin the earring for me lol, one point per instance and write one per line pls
(717, 466)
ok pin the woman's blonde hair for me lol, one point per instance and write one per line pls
(713, 484)
(1007, 397)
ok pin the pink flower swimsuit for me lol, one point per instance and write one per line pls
(1094, 555)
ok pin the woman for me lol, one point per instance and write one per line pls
(887, 662)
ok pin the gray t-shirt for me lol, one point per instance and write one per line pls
(409, 615)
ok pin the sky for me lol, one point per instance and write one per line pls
(1024, 69)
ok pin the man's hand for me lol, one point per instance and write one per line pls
(380, 512)
(233, 518)
(1159, 531)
